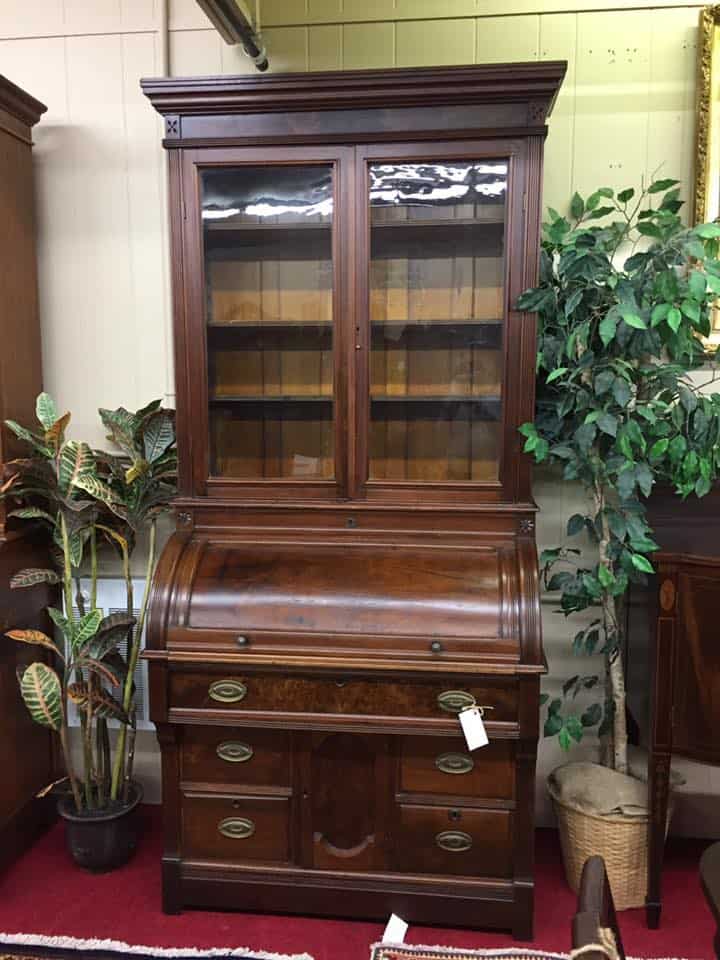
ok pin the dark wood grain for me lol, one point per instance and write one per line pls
(26, 750)
(345, 605)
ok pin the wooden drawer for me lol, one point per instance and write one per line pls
(236, 755)
(381, 698)
(452, 840)
(236, 828)
(443, 765)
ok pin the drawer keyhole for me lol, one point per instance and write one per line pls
(454, 815)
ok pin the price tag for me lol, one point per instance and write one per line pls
(471, 721)
(395, 930)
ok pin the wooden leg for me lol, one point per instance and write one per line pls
(171, 898)
(659, 774)
(523, 915)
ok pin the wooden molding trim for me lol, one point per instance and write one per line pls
(19, 104)
(354, 89)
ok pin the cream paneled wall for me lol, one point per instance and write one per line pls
(626, 109)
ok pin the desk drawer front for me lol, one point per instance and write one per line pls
(455, 841)
(278, 694)
(236, 755)
(443, 765)
(236, 828)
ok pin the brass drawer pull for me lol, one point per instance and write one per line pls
(454, 763)
(227, 691)
(454, 841)
(453, 701)
(234, 752)
(236, 828)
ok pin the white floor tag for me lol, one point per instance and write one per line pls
(395, 930)
(473, 727)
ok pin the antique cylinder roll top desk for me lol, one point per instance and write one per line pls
(354, 560)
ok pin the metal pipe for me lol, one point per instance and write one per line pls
(234, 25)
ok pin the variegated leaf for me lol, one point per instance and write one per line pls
(58, 618)
(136, 470)
(144, 412)
(11, 480)
(28, 437)
(87, 627)
(40, 689)
(115, 537)
(158, 435)
(121, 425)
(76, 461)
(45, 410)
(96, 488)
(31, 576)
(100, 702)
(55, 435)
(101, 669)
(36, 637)
(32, 513)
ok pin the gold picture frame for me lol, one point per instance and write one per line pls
(707, 143)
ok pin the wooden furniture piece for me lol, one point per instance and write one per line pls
(25, 749)
(355, 558)
(674, 640)
(596, 921)
(710, 879)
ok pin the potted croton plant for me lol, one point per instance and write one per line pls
(624, 297)
(88, 498)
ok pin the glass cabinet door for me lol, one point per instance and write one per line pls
(436, 305)
(267, 240)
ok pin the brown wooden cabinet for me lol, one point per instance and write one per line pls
(673, 640)
(26, 757)
(355, 556)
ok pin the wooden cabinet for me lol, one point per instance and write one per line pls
(673, 640)
(26, 757)
(355, 558)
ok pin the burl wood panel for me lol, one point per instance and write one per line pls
(341, 697)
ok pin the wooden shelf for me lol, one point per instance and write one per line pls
(400, 407)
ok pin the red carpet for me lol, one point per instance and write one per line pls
(44, 894)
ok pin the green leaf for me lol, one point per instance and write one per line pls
(697, 285)
(574, 728)
(59, 619)
(45, 410)
(608, 329)
(642, 563)
(556, 374)
(633, 320)
(660, 186)
(592, 715)
(605, 577)
(621, 392)
(608, 424)
(31, 576)
(659, 448)
(28, 437)
(659, 313)
(708, 231)
(691, 310)
(97, 489)
(40, 689)
(101, 703)
(674, 319)
(645, 478)
(585, 437)
(688, 398)
(564, 739)
(577, 207)
(553, 725)
(625, 195)
(604, 382)
(575, 524)
(649, 230)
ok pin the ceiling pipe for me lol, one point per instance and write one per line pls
(234, 24)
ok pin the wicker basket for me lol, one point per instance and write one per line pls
(621, 841)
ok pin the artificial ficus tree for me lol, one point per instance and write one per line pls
(625, 295)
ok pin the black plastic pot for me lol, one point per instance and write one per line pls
(101, 840)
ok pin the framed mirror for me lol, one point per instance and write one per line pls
(707, 146)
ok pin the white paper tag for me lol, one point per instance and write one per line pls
(395, 930)
(473, 727)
